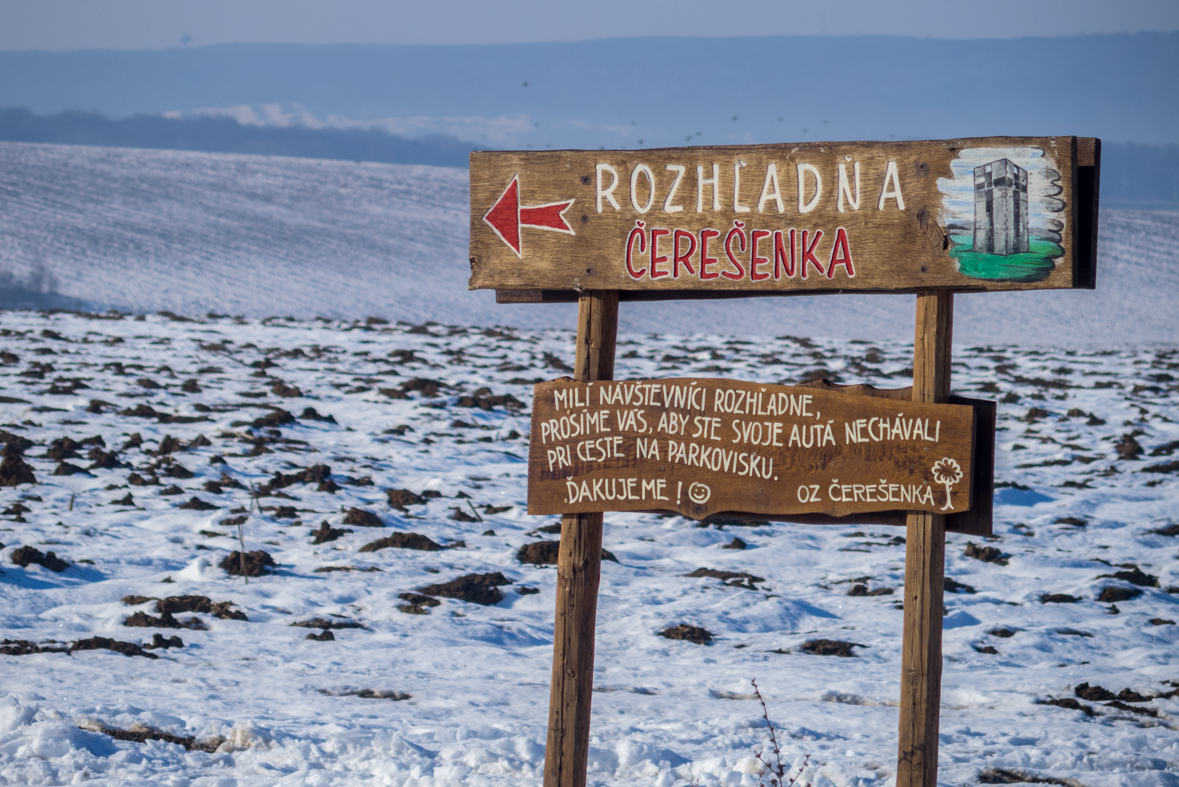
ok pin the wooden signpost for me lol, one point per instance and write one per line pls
(929, 218)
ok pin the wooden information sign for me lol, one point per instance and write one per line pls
(972, 214)
(705, 446)
(929, 218)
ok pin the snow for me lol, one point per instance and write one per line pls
(151, 230)
(665, 712)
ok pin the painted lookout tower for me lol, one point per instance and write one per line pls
(1000, 208)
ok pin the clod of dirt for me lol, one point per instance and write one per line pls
(22, 647)
(165, 621)
(171, 491)
(485, 401)
(203, 604)
(1071, 704)
(158, 641)
(141, 734)
(1004, 632)
(1112, 595)
(257, 563)
(196, 504)
(1169, 530)
(326, 624)
(1072, 521)
(403, 541)
(323, 636)
(362, 518)
(829, 647)
(370, 694)
(683, 631)
(125, 500)
(1058, 598)
(418, 603)
(400, 498)
(310, 414)
(327, 533)
(279, 388)
(475, 588)
(459, 515)
(65, 468)
(1008, 776)
(859, 589)
(1134, 576)
(953, 586)
(1161, 622)
(741, 578)
(278, 417)
(135, 601)
(427, 388)
(63, 448)
(23, 556)
(14, 471)
(105, 643)
(736, 543)
(491, 510)
(1129, 695)
(177, 471)
(544, 553)
(1094, 693)
(987, 649)
(1128, 447)
(285, 512)
(985, 554)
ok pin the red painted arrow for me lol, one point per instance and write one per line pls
(507, 216)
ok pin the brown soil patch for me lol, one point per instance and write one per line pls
(196, 504)
(23, 556)
(683, 631)
(256, 564)
(1112, 595)
(1094, 693)
(830, 647)
(1058, 598)
(475, 588)
(202, 604)
(166, 621)
(141, 734)
(359, 517)
(328, 623)
(22, 647)
(1071, 704)
(400, 498)
(732, 578)
(403, 541)
(862, 590)
(544, 553)
(327, 533)
(985, 554)
(1134, 576)
(105, 643)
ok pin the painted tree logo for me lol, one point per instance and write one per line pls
(947, 472)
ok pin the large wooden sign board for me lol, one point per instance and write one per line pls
(998, 213)
(705, 446)
(930, 218)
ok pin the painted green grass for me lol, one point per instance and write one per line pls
(1032, 265)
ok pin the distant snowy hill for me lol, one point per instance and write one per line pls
(194, 232)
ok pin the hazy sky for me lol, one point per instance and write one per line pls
(153, 24)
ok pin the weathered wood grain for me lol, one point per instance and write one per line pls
(579, 566)
(925, 556)
(703, 446)
(889, 247)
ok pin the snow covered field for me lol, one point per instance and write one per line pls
(185, 411)
(150, 230)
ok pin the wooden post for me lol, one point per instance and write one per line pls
(579, 566)
(925, 559)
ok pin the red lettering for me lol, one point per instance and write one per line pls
(630, 242)
(656, 257)
(705, 236)
(738, 232)
(754, 259)
(808, 252)
(782, 260)
(677, 258)
(841, 255)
